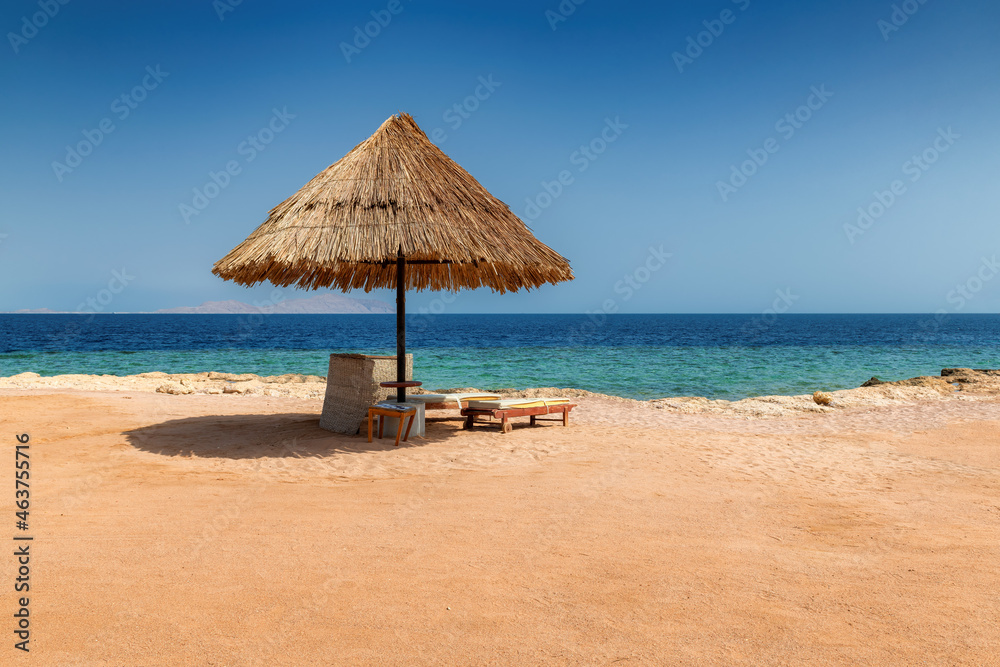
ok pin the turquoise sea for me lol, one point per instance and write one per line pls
(639, 356)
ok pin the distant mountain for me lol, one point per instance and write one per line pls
(322, 304)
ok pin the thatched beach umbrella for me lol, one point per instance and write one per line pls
(394, 212)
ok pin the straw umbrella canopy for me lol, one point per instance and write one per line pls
(395, 212)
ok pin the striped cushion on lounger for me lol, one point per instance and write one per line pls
(457, 399)
(510, 403)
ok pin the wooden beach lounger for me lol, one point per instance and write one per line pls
(516, 407)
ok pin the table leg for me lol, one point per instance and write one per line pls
(369, 426)
(399, 429)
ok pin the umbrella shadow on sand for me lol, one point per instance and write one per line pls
(293, 435)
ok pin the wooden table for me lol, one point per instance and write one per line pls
(383, 411)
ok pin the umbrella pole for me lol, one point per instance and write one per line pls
(400, 325)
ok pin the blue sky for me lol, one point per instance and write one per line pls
(670, 100)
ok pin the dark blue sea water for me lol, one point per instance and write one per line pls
(641, 356)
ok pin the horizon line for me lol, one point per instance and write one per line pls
(409, 315)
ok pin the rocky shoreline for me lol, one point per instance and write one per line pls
(952, 384)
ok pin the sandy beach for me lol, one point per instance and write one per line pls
(739, 259)
(228, 529)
